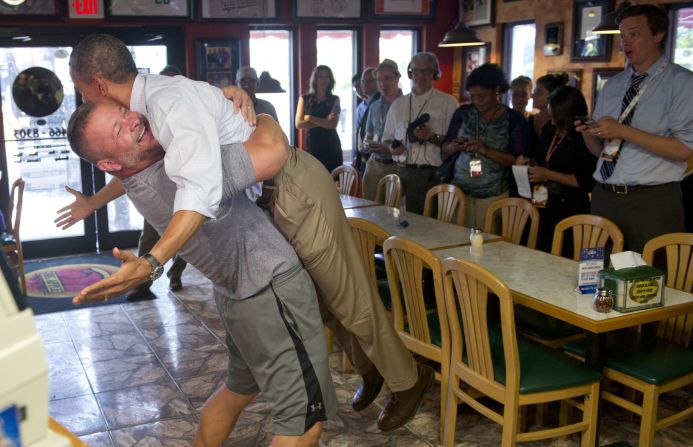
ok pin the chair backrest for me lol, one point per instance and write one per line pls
(13, 217)
(389, 191)
(406, 262)
(369, 237)
(450, 201)
(467, 288)
(589, 231)
(678, 248)
(348, 180)
(514, 213)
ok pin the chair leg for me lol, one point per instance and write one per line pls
(450, 420)
(589, 414)
(510, 422)
(20, 269)
(650, 402)
(346, 363)
(564, 413)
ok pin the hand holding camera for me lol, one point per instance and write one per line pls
(417, 124)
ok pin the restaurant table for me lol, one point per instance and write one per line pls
(547, 284)
(355, 202)
(431, 233)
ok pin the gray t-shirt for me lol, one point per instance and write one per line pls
(240, 251)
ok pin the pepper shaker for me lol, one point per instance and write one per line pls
(603, 300)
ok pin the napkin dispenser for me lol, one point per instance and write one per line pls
(634, 288)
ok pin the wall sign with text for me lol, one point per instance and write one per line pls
(86, 9)
(150, 8)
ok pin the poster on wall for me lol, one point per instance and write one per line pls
(149, 8)
(33, 8)
(587, 46)
(238, 9)
(218, 60)
(329, 9)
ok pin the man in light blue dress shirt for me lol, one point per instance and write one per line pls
(643, 152)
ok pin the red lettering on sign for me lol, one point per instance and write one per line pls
(85, 7)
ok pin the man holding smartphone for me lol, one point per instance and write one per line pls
(643, 134)
(380, 162)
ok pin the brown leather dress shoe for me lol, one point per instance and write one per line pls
(175, 284)
(403, 405)
(368, 390)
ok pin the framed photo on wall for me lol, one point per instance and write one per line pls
(587, 46)
(218, 60)
(574, 76)
(239, 9)
(599, 78)
(477, 12)
(472, 58)
(169, 8)
(327, 9)
(412, 9)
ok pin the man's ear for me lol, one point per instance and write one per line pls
(102, 85)
(659, 37)
(109, 165)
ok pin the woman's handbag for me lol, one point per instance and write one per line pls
(446, 170)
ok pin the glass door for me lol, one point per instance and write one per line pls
(38, 98)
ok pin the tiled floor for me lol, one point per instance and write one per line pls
(137, 374)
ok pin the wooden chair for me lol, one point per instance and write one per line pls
(514, 213)
(348, 180)
(450, 201)
(654, 367)
(511, 371)
(589, 231)
(424, 332)
(12, 243)
(389, 191)
(369, 238)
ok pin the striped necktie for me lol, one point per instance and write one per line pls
(608, 166)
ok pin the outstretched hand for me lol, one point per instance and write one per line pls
(74, 212)
(133, 272)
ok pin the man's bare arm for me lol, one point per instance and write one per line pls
(268, 148)
(84, 205)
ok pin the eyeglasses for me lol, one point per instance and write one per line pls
(385, 79)
(423, 71)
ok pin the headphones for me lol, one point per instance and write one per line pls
(432, 57)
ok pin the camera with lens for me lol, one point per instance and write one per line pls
(417, 123)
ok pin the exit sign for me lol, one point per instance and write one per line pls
(86, 9)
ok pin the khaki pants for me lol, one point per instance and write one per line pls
(375, 170)
(307, 211)
(475, 209)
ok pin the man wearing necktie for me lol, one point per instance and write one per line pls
(644, 133)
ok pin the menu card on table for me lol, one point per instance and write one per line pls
(591, 262)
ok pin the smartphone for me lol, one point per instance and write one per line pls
(586, 120)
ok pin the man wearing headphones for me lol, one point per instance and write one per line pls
(246, 78)
(414, 129)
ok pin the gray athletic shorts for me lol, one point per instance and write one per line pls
(276, 344)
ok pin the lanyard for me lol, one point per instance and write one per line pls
(641, 91)
(555, 142)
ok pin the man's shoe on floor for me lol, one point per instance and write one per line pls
(141, 293)
(368, 391)
(175, 283)
(403, 405)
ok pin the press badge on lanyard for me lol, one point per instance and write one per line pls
(475, 166)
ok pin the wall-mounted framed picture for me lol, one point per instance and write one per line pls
(412, 9)
(217, 60)
(150, 8)
(327, 9)
(587, 46)
(553, 39)
(473, 58)
(574, 76)
(45, 8)
(477, 12)
(599, 78)
(238, 9)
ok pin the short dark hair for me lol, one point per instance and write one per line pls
(356, 77)
(104, 56)
(566, 103)
(552, 81)
(657, 19)
(76, 129)
(522, 81)
(314, 78)
(171, 70)
(489, 76)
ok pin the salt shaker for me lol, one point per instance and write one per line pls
(476, 238)
(603, 300)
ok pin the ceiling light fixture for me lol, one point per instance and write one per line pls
(460, 36)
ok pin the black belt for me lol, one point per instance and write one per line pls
(385, 162)
(627, 189)
(415, 166)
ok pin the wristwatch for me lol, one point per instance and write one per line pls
(157, 268)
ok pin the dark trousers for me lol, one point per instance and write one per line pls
(642, 213)
(416, 181)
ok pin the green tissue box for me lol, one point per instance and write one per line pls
(634, 288)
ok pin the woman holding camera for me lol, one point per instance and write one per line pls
(318, 111)
(561, 166)
(485, 137)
